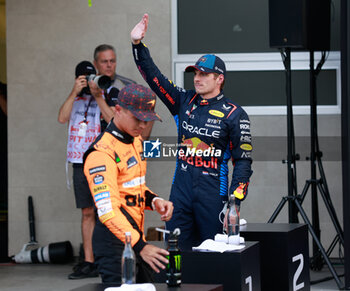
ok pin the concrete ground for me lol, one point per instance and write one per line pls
(50, 277)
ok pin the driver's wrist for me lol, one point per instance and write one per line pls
(154, 200)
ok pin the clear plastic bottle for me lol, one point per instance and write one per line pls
(128, 261)
(233, 218)
(173, 268)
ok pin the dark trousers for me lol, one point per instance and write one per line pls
(196, 213)
(108, 250)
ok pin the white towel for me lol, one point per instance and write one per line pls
(217, 246)
(133, 287)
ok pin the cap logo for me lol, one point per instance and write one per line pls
(152, 102)
(218, 69)
(202, 60)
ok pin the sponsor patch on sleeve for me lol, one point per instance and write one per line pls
(240, 191)
(246, 155)
(100, 188)
(246, 147)
(98, 179)
(101, 196)
(104, 217)
(245, 126)
(105, 209)
(97, 169)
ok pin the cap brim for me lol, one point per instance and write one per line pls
(146, 115)
(190, 68)
(198, 68)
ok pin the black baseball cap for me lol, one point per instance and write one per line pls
(209, 64)
(84, 68)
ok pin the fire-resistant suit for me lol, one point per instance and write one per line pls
(211, 132)
(116, 170)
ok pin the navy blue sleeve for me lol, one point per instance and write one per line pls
(171, 95)
(241, 149)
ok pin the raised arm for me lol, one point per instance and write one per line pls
(66, 108)
(140, 29)
(166, 90)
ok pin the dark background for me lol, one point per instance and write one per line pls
(207, 26)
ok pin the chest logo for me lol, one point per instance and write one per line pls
(131, 162)
(216, 113)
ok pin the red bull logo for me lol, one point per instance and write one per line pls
(196, 149)
(200, 162)
(195, 144)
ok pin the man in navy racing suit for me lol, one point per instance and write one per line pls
(211, 130)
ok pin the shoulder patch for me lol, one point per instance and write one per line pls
(97, 169)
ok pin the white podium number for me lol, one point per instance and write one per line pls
(248, 281)
(298, 272)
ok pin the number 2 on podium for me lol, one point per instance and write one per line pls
(298, 272)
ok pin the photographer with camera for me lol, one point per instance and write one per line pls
(88, 109)
(82, 110)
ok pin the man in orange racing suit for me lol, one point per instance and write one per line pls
(116, 170)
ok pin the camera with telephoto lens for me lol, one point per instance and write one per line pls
(102, 81)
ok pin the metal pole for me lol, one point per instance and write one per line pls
(316, 262)
(292, 210)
